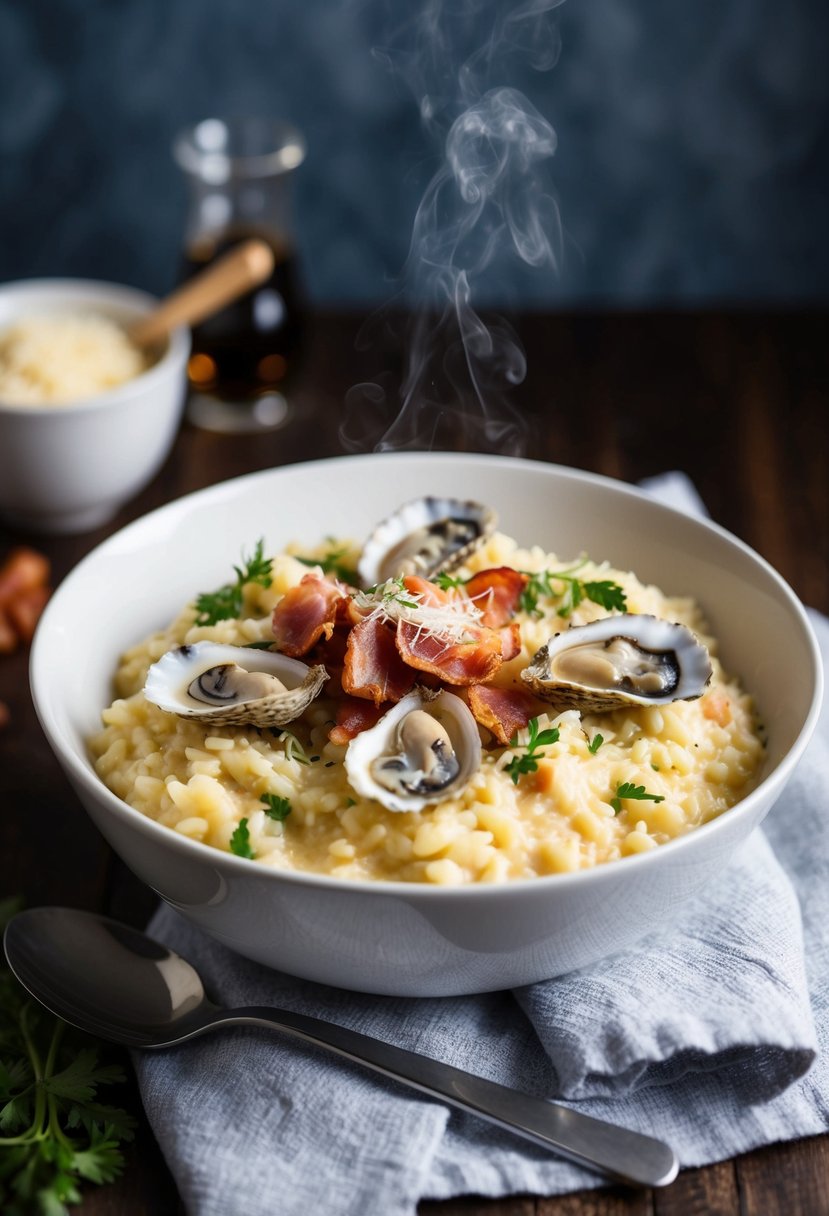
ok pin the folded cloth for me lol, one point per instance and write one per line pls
(704, 1037)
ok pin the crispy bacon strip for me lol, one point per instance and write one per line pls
(467, 662)
(496, 592)
(305, 613)
(24, 611)
(353, 716)
(373, 668)
(22, 571)
(510, 636)
(431, 595)
(501, 710)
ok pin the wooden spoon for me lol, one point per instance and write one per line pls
(239, 270)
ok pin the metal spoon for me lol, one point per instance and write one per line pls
(115, 982)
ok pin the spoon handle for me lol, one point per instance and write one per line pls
(239, 270)
(622, 1154)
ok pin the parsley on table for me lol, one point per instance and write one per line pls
(528, 763)
(626, 789)
(572, 591)
(275, 807)
(595, 743)
(240, 841)
(54, 1133)
(226, 603)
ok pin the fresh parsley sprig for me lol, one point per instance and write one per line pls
(54, 1133)
(571, 591)
(595, 743)
(393, 590)
(528, 763)
(226, 603)
(240, 841)
(332, 563)
(276, 807)
(626, 789)
(449, 582)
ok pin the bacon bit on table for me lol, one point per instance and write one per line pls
(306, 613)
(496, 592)
(373, 668)
(24, 590)
(502, 710)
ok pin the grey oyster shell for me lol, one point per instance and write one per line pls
(423, 537)
(206, 682)
(617, 661)
(434, 764)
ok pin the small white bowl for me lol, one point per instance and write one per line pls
(68, 468)
(405, 938)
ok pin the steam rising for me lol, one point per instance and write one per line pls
(488, 203)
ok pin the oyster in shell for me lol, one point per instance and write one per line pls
(426, 748)
(232, 685)
(423, 537)
(617, 661)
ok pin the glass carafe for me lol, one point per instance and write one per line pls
(239, 173)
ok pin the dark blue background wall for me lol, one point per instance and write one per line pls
(692, 141)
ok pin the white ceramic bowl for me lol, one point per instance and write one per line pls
(393, 937)
(68, 468)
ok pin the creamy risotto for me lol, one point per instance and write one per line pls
(54, 359)
(610, 785)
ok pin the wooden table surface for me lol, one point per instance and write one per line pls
(737, 401)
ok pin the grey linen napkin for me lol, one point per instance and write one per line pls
(704, 1037)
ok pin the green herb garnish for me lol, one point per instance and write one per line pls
(332, 563)
(258, 645)
(596, 743)
(449, 582)
(626, 789)
(226, 603)
(572, 591)
(275, 807)
(528, 763)
(240, 841)
(54, 1134)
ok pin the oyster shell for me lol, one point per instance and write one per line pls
(426, 748)
(232, 685)
(423, 537)
(617, 661)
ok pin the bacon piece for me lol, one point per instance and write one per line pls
(496, 592)
(469, 662)
(373, 668)
(305, 613)
(501, 710)
(25, 609)
(354, 715)
(510, 636)
(22, 570)
(431, 595)
(8, 636)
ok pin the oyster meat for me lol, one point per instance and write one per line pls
(617, 661)
(423, 537)
(426, 748)
(232, 685)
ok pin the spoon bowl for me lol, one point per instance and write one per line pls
(117, 983)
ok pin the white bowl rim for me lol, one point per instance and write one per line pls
(196, 849)
(175, 355)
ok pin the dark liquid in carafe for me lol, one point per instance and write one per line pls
(253, 346)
